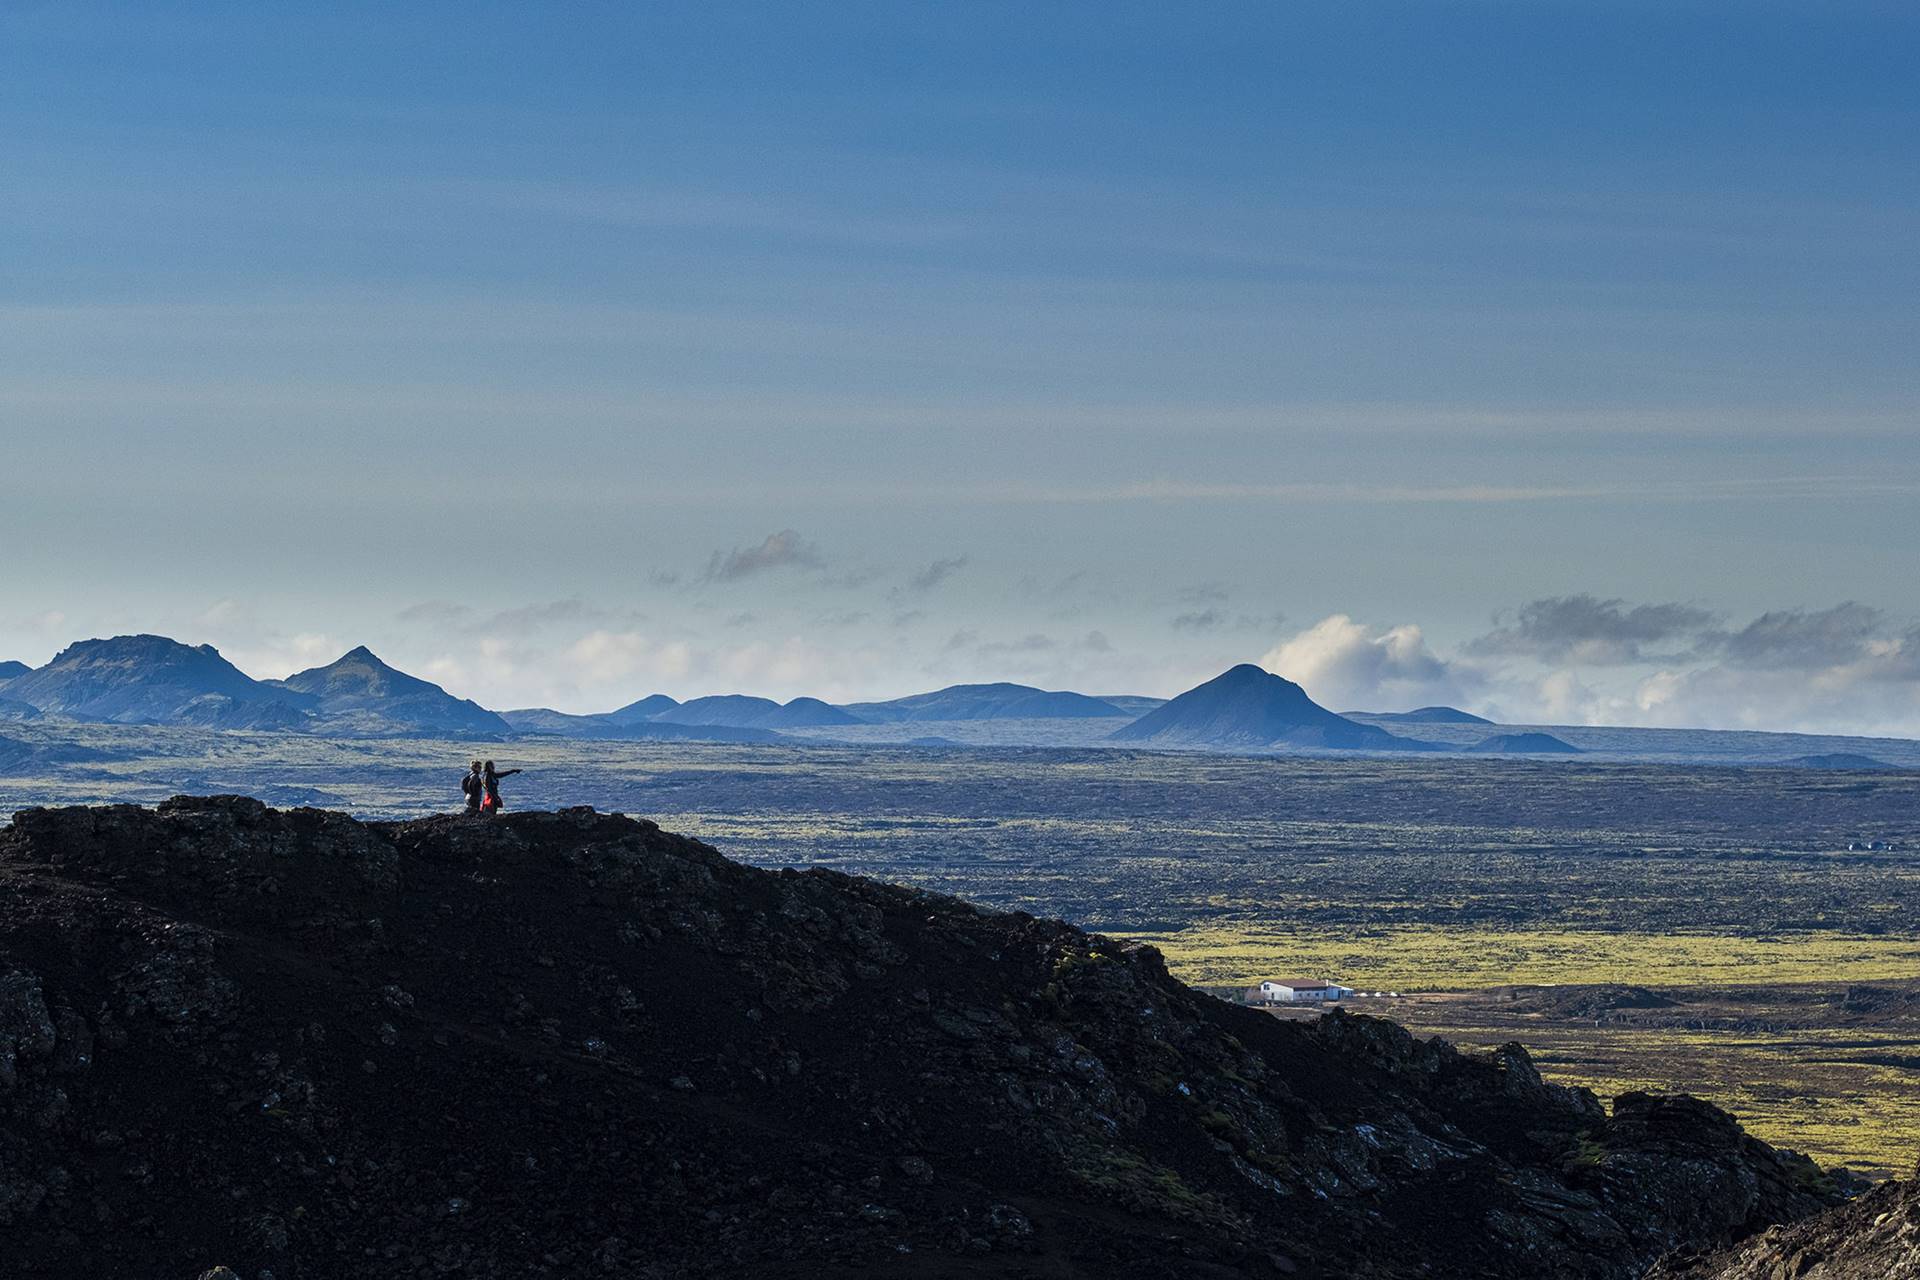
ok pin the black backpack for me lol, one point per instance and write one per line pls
(469, 785)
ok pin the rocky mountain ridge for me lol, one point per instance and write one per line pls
(359, 692)
(564, 1044)
(156, 680)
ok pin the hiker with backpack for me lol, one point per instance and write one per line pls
(490, 802)
(473, 785)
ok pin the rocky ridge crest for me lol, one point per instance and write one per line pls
(572, 1044)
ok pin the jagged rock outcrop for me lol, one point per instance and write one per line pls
(571, 1044)
(1876, 1237)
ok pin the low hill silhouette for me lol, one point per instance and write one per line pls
(558, 724)
(1427, 715)
(1000, 701)
(741, 711)
(645, 709)
(358, 693)
(11, 669)
(571, 1044)
(11, 709)
(1132, 704)
(1524, 744)
(1249, 708)
(1841, 760)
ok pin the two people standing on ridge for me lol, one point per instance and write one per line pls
(481, 785)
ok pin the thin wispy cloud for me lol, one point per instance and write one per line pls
(1837, 487)
(783, 550)
(936, 573)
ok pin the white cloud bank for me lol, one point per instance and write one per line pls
(1349, 666)
(1848, 669)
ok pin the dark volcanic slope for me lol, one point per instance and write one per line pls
(574, 1045)
(10, 669)
(1876, 1237)
(1248, 708)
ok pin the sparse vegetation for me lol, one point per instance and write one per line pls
(1414, 874)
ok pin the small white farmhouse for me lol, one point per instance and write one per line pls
(1291, 990)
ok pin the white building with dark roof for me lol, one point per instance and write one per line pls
(1299, 990)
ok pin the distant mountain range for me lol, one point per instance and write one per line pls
(540, 721)
(1249, 708)
(988, 702)
(149, 679)
(738, 711)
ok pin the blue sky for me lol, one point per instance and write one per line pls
(1094, 345)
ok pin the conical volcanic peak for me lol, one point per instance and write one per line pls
(357, 692)
(1249, 708)
(645, 709)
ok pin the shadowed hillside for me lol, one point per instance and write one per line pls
(564, 1044)
(1876, 1237)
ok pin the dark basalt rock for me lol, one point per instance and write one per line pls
(1876, 1237)
(571, 1044)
